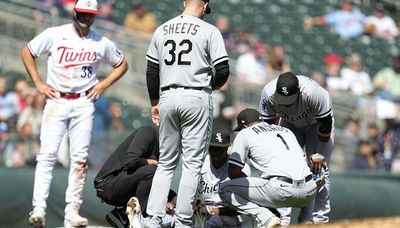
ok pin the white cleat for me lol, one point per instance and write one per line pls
(134, 213)
(73, 219)
(36, 218)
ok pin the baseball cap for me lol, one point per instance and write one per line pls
(86, 6)
(220, 138)
(333, 58)
(379, 7)
(208, 10)
(246, 117)
(287, 89)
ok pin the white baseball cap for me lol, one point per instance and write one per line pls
(86, 6)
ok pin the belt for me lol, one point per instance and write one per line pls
(72, 96)
(289, 180)
(183, 87)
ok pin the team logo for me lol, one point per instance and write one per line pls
(88, 3)
(285, 91)
(118, 51)
(218, 137)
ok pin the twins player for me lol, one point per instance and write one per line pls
(285, 178)
(74, 53)
(213, 172)
(181, 57)
(305, 108)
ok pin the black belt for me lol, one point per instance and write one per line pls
(183, 87)
(287, 179)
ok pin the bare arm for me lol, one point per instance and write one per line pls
(31, 68)
(115, 74)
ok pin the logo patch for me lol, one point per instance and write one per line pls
(218, 137)
(285, 91)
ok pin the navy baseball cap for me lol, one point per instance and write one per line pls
(287, 89)
(220, 138)
(246, 117)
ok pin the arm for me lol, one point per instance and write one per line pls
(311, 21)
(325, 128)
(221, 75)
(115, 74)
(31, 68)
(153, 87)
(235, 171)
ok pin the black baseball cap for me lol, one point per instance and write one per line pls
(208, 10)
(245, 117)
(287, 89)
(220, 138)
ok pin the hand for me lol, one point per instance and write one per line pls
(155, 115)
(170, 208)
(95, 92)
(152, 162)
(212, 210)
(46, 91)
(317, 162)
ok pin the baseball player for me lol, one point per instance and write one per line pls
(74, 54)
(213, 172)
(285, 178)
(127, 173)
(305, 108)
(180, 58)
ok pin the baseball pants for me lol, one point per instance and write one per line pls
(61, 115)
(185, 127)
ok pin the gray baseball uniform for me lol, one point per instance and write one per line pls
(185, 48)
(313, 103)
(285, 178)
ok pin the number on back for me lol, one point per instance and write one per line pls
(185, 47)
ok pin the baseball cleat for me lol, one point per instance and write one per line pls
(134, 213)
(36, 218)
(117, 218)
(74, 220)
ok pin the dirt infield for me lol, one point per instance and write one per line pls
(387, 222)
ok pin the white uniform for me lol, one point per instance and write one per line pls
(313, 102)
(185, 48)
(275, 153)
(72, 66)
(207, 191)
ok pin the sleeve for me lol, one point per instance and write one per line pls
(152, 53)
(113, 55)
(332, 18)
(265, 106)
(139, 150)
(240, 148)
(217, 48)
(321, 103)
(41, 43)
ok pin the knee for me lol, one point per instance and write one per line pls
(214, 221)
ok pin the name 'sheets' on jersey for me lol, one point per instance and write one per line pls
(68, 56)
(261, 128)
(181, 28)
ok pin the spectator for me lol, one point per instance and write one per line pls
(389, 142)
(372, 135)
(242, 41)
(222, 24)
(224, 110)
(333, 65)
(348, 21)
(251, 67)
(277, 62)
(356, 79)
(22, 90)
(387, 81)
(99, 144)
(347, 140)
(380, 25)
(9, 109)
(139, 19)
(318, 77)
(366, 157)
(105, 14)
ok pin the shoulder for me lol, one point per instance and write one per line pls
(270, 87)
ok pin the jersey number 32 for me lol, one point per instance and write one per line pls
(185, 47)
